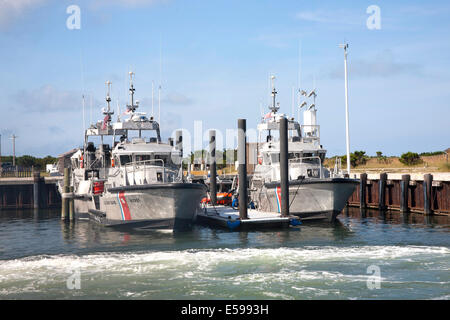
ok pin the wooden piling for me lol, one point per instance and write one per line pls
(362, 191)
(212, 167)
(71, 206)
(382, 191)
(65, 204)
(36, 191)
(284, 167)
(427, 186)
(404, 191)
(242, 169)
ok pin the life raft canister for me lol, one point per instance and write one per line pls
(98, 187)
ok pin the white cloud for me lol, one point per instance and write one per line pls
(12, 9)
(381, 65)
(331, 17)
(126, 3)
(47, 99)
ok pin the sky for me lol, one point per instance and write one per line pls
(213, 60)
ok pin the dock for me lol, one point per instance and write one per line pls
(228, 217)
(419, 193)
(33, 192)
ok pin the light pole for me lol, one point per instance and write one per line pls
(347, 136)
(13, 137)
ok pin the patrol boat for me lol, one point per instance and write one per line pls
(138, 182)
(315, 192)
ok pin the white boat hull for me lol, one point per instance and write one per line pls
(312, 198)
(155, 206)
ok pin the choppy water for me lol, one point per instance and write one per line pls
(44, 258)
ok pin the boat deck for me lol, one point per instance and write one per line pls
(228, 217)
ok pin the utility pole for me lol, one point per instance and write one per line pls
(13, 137)
(347, 136)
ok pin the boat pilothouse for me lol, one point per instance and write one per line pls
(314, 191)
(139, 180)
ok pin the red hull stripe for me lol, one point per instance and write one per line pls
(279, 199)
(124, 206)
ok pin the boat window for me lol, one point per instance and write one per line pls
(322, 157)
(142, 157)
(161, 157)
(294, 155)
(124, 159)
(275, 157)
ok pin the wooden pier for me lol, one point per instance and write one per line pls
(33, 192)
(422, 193)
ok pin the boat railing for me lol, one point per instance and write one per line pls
(300, 161)
(91, 164)
(310, 132)
(145, 165)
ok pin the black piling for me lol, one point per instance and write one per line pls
(382, 191)
(212, 166)
(427, 185)
(404, 189)
(36, 191)
(362, 191)
(242, 169)
(284, 167)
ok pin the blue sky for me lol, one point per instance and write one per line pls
(217, 57)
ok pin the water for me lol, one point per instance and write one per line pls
(44, 258)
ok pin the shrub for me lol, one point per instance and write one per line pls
(410, 158)
(436, 153)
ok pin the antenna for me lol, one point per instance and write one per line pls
(84, 115)
(159, 105)
(118, 110)
(90, 108)
(293, 101)
(299, 78)
(153, 100)
(82, 89)
(160, 80)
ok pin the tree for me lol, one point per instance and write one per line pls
(410, 158)
(357, 158)
(27, 161)
(381, 158)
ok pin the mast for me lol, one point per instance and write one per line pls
(132, 106)
(347, 136)
(275, 106)
(108, 112)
